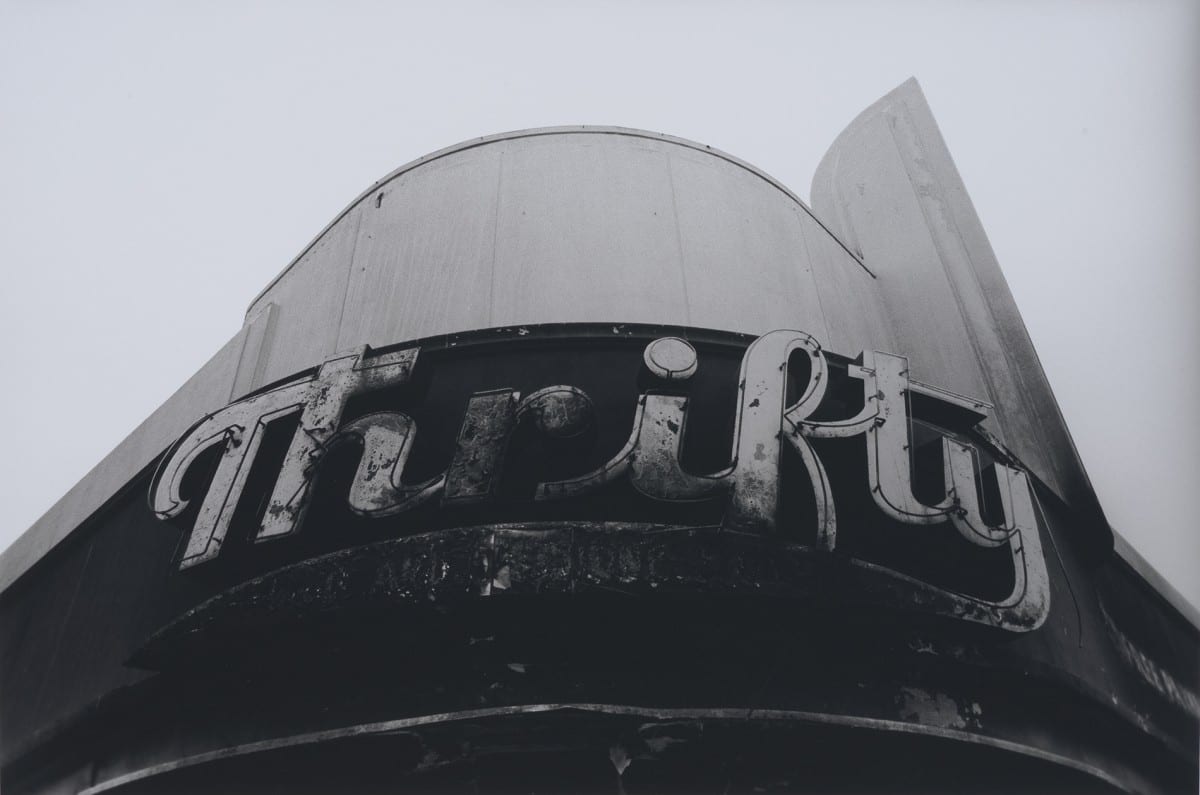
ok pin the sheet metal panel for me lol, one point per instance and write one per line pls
(587, 233)
(849, 295)
(889, 187)
(553, 226)
(258, 335)
(309, 302)
(743, 250)
(918, 303)
(423, 258)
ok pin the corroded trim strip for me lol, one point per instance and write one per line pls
(653, 713)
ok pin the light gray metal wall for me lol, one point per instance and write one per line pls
(567, 225)
(889, 188)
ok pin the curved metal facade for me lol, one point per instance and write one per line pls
(590, 459)
(557, 226)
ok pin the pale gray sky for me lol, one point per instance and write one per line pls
(160, 163)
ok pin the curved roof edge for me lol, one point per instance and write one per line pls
(1157, 583)
(822, 179)
(535, 132)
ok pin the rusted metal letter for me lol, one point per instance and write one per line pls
(651, 455)
(759, 434)
(482, 443)
(377, 489)
(884, 421)
(238, 429)
(655, 469)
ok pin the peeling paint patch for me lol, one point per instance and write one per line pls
(620, 758)
(922, 646)
(503, 579)
(932, 709)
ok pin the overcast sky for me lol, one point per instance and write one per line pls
(160, 163)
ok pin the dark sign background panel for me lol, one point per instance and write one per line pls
(115, 659)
